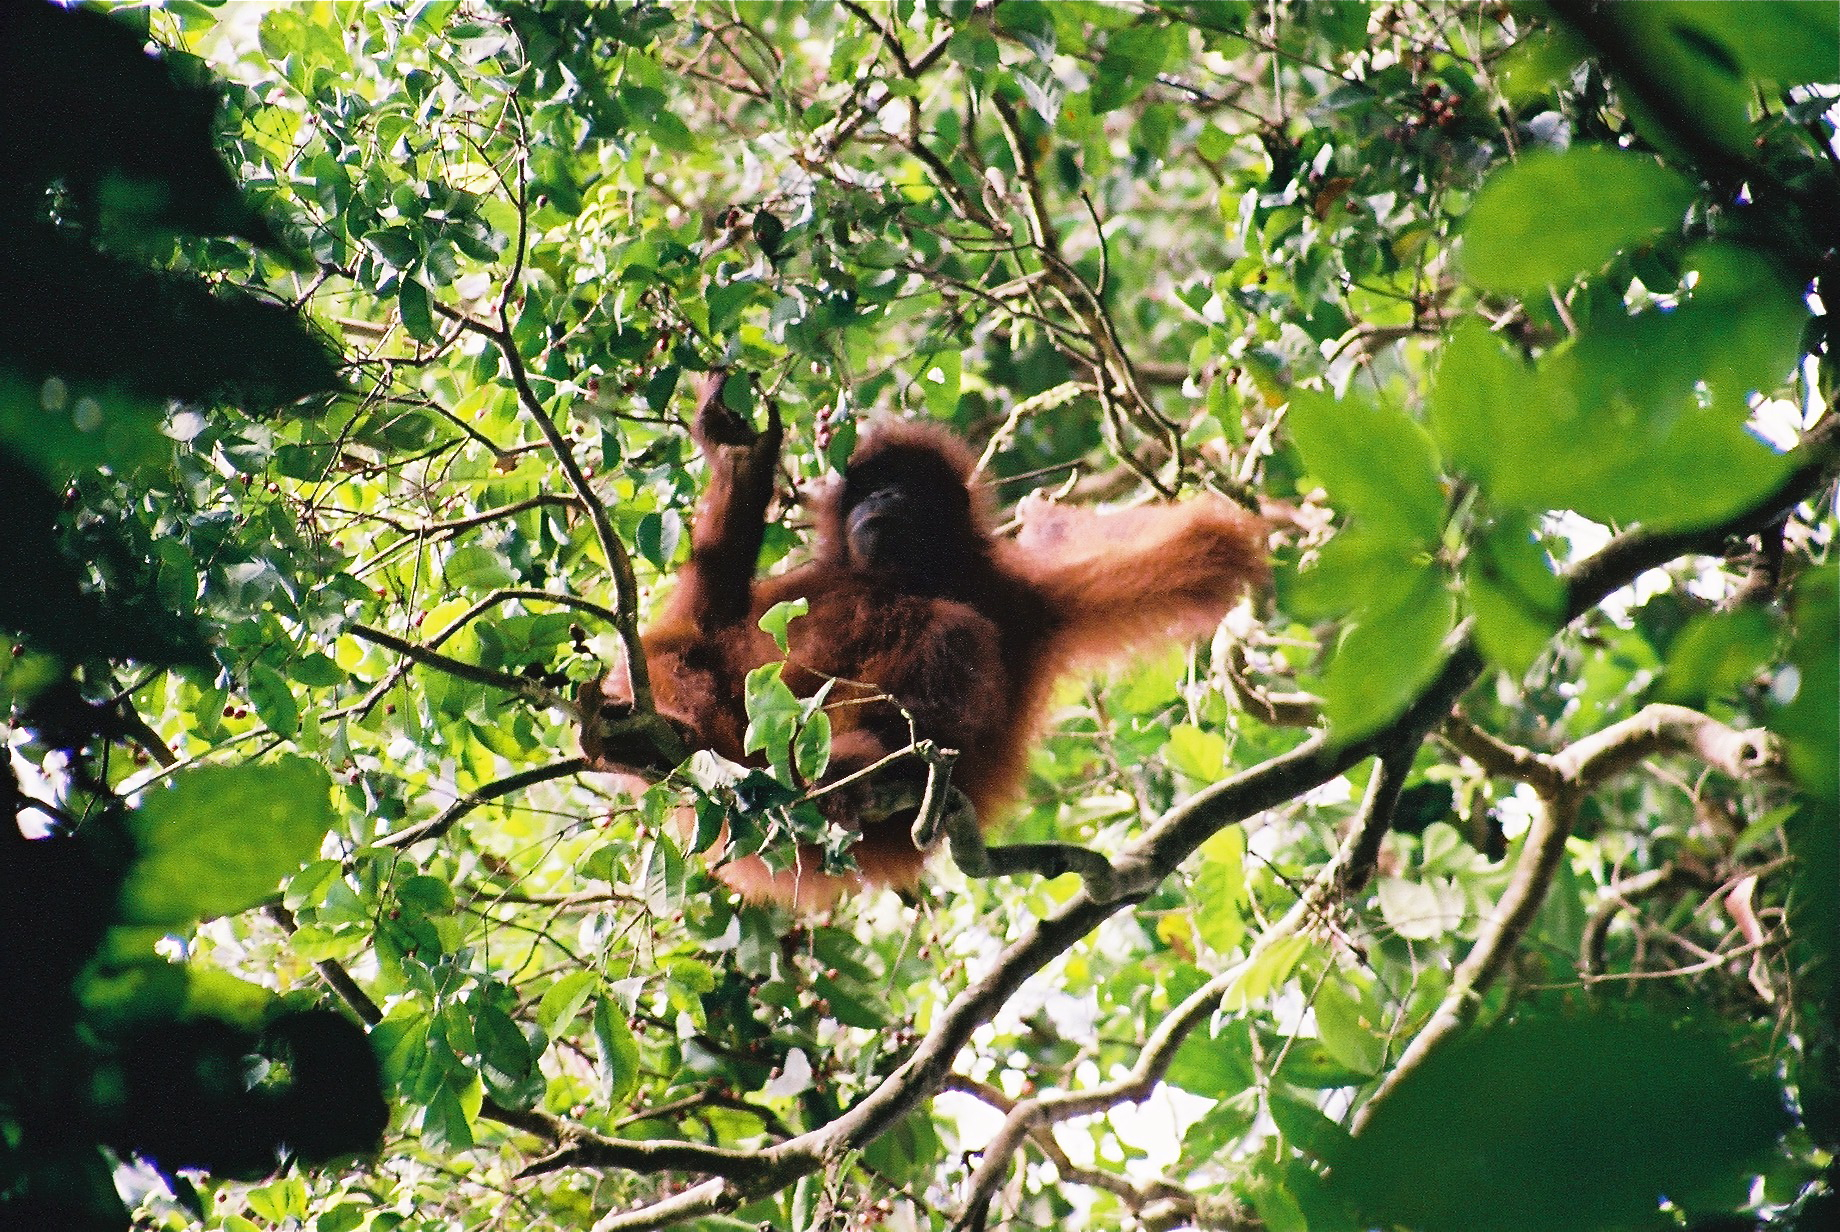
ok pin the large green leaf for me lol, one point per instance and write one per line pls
(1387, 654)
(1643, 418)
(221, 838)
(1479, 386)
(1556, 215)
(1785, 42)
(1376, 461)
(1511, 589)
(1586, 1122)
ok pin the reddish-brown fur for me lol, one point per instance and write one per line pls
(972, 658)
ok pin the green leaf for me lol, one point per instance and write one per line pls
(940, 383)
(775, 619)
(768, 232)
(1198, 754)
(1267, 968)
(1643, 419)
(221, 838)
(1479, 385)
(1387, 655)
(472, 567)
(1360, 568)
(1511, 589)
(1276, 1206)
(619, 1053)
(811, 749)
(1304, 1126)
(1214, 1065)
(1556, 215)
(1696, 64)
(1717, 654)
(1786, 42)
(445, 1125)
(1347, 1029)
(417, 316)
(1212, 143)
(506, 1061)
(1133, 57)
(1377, 462)
(1517, 1127)
(274, 700)
(1808, 721)
(657, 536)
(317, 671)
(1220, 896)
(563, 1000)
(774, 715)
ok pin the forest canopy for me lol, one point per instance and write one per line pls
(1481, 872)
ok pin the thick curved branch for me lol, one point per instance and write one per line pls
(708, 1198)
(1497, 757)
(1561, 781)
(1184, 828)
(1661, 728)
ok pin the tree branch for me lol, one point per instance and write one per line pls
(1562, 781)
(440, 824)
(521, 686)
(1161, 849)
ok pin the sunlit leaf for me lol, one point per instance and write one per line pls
(221, 838)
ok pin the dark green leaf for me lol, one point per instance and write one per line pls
(417, 316)
(1561, 1123)
(619, 1052)
(273, 700)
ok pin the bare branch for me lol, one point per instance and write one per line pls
(1661, 728)
(448, 529)
(438, 825)
(521, 686)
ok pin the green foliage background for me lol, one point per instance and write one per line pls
(1519, 314)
